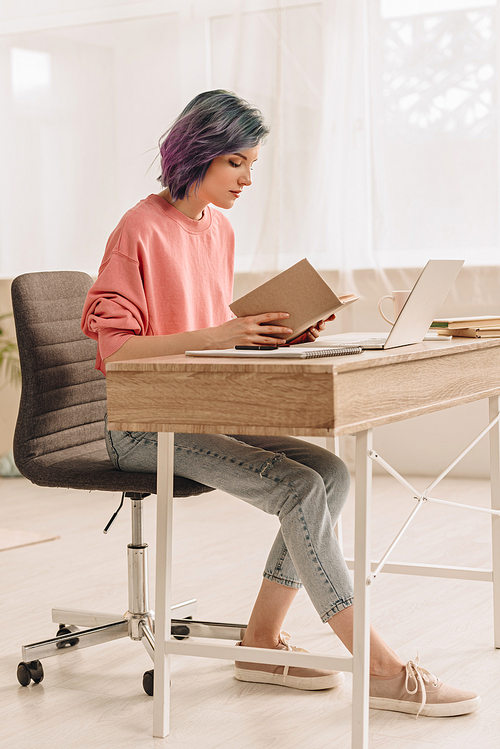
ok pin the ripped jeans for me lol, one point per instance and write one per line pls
(304, 485)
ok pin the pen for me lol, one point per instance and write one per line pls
(256, 348)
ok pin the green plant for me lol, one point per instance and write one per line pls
(9, 359)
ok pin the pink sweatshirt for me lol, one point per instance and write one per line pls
(161, 273)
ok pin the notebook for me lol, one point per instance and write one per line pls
(413, 322)
(283, 352)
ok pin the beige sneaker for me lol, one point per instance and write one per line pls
(418, 692)
(288, 676)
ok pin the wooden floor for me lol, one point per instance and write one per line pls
(93, 698)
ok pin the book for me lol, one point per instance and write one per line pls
(282, 352)
(481, 321)
(471, 332)
(301, 292)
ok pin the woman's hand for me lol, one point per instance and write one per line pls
(241, 331)
(313, 332)
(253, 330)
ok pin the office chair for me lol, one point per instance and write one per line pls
(59, 442)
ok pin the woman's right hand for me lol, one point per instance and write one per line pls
(253, 330)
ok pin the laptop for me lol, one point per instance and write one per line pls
(413, 322)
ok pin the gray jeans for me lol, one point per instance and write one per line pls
(304, 485)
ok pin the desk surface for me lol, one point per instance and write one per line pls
(344, 394)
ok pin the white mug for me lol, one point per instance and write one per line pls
(398, 299)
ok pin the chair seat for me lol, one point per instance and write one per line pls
(88, 467)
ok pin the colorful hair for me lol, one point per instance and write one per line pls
(213, 123)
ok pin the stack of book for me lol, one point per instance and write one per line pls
(486, 326)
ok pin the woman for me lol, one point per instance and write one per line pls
(164, 287)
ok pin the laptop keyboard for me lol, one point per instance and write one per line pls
(367, 341)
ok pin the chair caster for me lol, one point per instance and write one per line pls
(67, 630)
(29, 671)
(181, 631)
(148, 681)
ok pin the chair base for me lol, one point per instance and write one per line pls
(101, 627)
(137, 623)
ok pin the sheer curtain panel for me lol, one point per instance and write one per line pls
(384, 143)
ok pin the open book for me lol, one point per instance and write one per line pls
(301, 292)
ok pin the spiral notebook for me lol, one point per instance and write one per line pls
(294, 352)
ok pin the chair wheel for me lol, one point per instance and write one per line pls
(29, 671)
(67, 630)
(148, 681)
(180, 632)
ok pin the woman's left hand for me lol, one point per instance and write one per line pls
(313, 332)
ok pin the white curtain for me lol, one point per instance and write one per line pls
(384, 142)
(434, 79)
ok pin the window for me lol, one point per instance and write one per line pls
(384, 129)
(435, 132)
(30, 73)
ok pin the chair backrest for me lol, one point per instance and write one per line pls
(59, 437)
(63, 399)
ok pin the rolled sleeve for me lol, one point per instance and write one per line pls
(110, 317)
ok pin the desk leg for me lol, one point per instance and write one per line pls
(163, 603)
(333, 445)
(495, 519)
(362, 569)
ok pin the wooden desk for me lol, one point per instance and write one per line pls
(322, 397)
